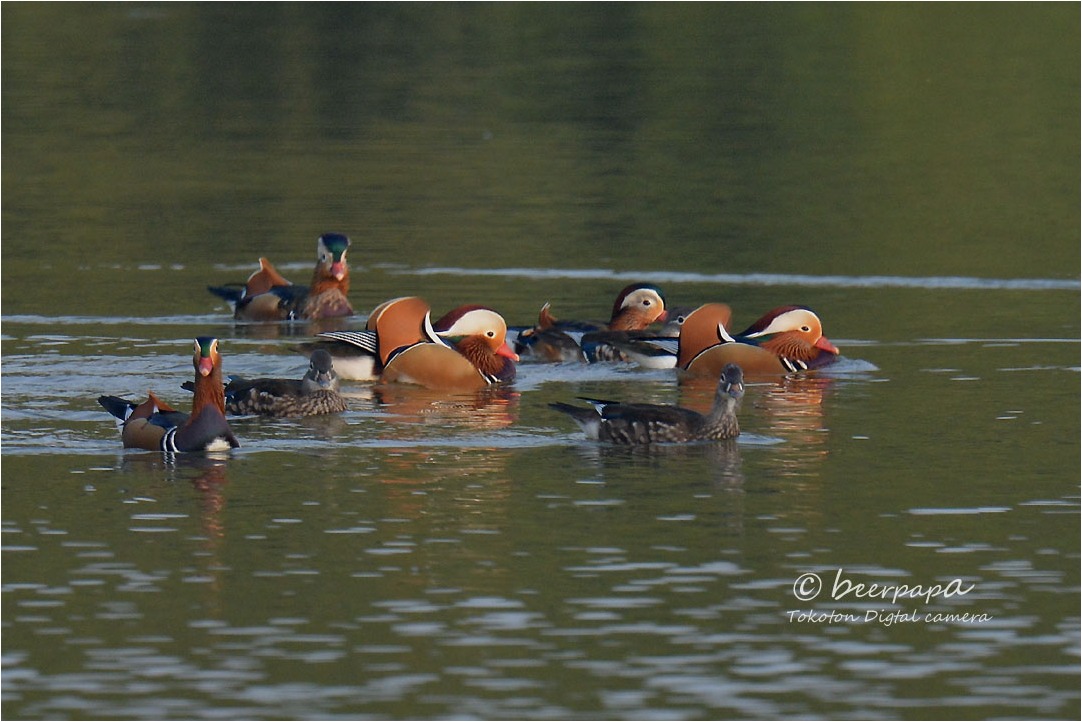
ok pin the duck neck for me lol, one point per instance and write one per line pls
(628, 321)
(209, 391)
(323, 281)
(723, 413)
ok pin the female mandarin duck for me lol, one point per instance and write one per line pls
(156, 426)
(268, 296)
(316, 393)
(648, 349)
(636, 307)
(651, 424)
(785, 340)
(465, 349)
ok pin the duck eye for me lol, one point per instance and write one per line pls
(646, 302)
(491, 334)
(805, 329)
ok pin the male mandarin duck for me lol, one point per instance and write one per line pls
(268, 296)
(623, 423)
(465, 349)
(156, 426)
(636, 307)
(785, 340)
(316, 393)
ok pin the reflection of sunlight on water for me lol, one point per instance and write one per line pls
(761, 279)
(789, 408)
(207, 476)
(303, 330)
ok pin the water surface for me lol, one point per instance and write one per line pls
(909, 172)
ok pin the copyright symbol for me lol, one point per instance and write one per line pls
(807, 587)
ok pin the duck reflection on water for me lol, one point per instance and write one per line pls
(789, 408)
(410, 407)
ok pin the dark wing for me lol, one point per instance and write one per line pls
(635, 346)
(652, 414)
(238, 387)
(367, 341)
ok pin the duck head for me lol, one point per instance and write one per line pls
(479, 334)
(331, 258)
(731, 381)
(208, 375)
(636, 307)
(321, 373)
(793, 332)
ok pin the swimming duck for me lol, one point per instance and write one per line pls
(465, 349)
(785, 340)
(646, 348)
(549, 342)
(156, 426)
(268, 296)
(636, 306)
(623, 423)
(315, 393)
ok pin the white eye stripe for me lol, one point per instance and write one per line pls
(642, 297)
(788, 322)
(478, 321)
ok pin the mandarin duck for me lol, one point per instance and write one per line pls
(636, 307)
(156, 426)
(648, 349)
(622, 423)
(314, 394)
(360, 355)
(465, 349)
(268, 296)
(785, 340)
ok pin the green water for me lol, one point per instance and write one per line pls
(909, 171)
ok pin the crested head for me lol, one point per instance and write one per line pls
(471, 320)
(785, 318)
(334, 245)
(790, 331)
(206, 357)
(208, 375)
(642, 300)
(331, 262)
(473, 327)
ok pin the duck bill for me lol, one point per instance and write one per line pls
(505, 351)
(338, 270)
(663, 317)
(206, 365)
(825, 344)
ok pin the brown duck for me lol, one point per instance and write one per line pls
(268, 296)
(156, 426)
(622, 423)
